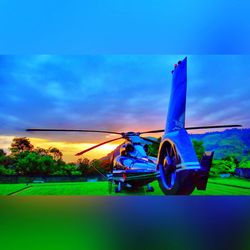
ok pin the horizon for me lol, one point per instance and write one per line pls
(69, 149)
(115, 92)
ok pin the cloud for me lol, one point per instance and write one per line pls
(116, 92)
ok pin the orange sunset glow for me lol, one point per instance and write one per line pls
(67, 148)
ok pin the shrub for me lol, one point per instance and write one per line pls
(222, 167)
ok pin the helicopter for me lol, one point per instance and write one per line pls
(176, 167)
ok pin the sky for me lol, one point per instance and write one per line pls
(114, 92)
(124, 26)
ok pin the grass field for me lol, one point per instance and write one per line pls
(216, 186)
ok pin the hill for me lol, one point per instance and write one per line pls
(234, 142)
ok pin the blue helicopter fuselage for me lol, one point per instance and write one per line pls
(136, 167)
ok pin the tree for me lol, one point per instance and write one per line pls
(2, 157)
(6, 171)
(95, 168)
(20, 144)
(41, 151)
(222, 167)
(244, 164)
(2, 153)
(55, 153)
(68, 169)
(33, 163)
(92, 168)
(46, 165)
(83, 165)
(154, 148)
(199, 148)
(7, 161)
(232, 158)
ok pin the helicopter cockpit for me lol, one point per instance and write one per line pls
(133, 155)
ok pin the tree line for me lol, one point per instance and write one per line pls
(24, 159)
(225, 165)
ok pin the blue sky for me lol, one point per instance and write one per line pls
(106, 27)
(117, 92)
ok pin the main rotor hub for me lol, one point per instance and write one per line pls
(128, 134)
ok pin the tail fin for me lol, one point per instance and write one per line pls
(206, 160)
(177, 102)
(175, 125)
(203, 174)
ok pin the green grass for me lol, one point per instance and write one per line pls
(9, 188)
(231, 181)
(216, 186)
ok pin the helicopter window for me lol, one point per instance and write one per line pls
(130, 148)
(146, 148)
(126, 149)
(123, 152)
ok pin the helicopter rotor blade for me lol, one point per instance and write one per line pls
(73, 130)
(98, 145)
(214, 126)
(152, 131)
(192, 128)
(146, 139)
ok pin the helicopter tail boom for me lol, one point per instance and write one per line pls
(175, 130)
(177, 102)
(177, 160)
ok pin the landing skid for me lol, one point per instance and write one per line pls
(118, 188)
(150, 189)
